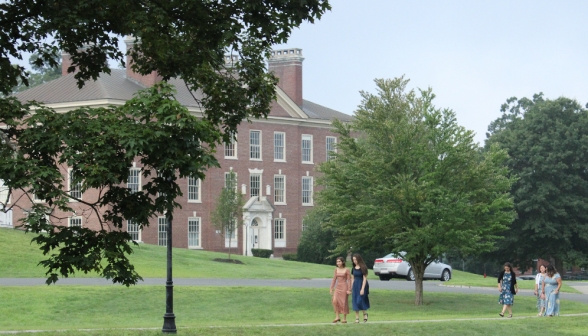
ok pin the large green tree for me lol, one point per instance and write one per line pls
(407, 177)
(185, 39)
(547, 141)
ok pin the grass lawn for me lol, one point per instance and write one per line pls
(469, 279)
(557, 326)
(19, 259)
(246, 308)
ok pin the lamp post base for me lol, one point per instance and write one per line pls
(169, 323)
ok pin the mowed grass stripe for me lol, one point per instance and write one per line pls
(95, 307)
(572, 325)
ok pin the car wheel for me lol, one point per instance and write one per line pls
(445, 276)
(384, 278)
(410, 275)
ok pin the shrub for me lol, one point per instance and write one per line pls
(316, 241)
(289, 256)
(262, 253)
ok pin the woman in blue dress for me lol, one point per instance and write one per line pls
(360, 288)
(551, 286)
(508, 288)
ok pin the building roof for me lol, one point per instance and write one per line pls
(118, 86)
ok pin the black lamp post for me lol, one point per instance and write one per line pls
(169, 319)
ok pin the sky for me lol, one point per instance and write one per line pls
(473, 54)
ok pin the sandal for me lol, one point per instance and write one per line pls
(365, 317)
(337, 320)
(344, 321)
(356, 320)
(501, 314)
(510, 316)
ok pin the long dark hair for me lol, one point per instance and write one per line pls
(360, 263)
(551, 270)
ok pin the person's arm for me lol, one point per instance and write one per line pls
(543, 288)
(333, 281)
(537, 281)
(500, 281)
(363, 285)
(349, 282)
(558, 285)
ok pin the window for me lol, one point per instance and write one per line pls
(231, 150)
(75, 221)
(231, 239)
(134, 181)
(161, 231)
(193, 232)
(36, 199)
(255, 145)
(306, 148)
(227, 180)
(75, 188)
(331, 141)
(255, 185)
(279, 146)
(3, 193)
(193, 189)
(307, 190)
(304, 226)
(133, 230)
(280, 232)
(280, 189)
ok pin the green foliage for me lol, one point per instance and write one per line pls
(261, 253)
(184, 39)
(227, 216)
(41, 73)
(413, 181)
(290, 256)
(548, 148)
(317, 241)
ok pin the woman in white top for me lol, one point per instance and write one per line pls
(539, 279)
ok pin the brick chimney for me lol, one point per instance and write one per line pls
(65, 62)
(286, 64)
(147, 80)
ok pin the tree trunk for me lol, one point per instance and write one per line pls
(419, 274)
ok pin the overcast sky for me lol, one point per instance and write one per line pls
(474, 54)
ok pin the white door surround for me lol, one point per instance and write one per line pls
(257, 220)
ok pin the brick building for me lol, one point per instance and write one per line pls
(274, 160)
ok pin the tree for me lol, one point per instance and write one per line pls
(227, 216)
(548, 148)
(317, 242)
(40, 74)
(413, 180)
(185, 39)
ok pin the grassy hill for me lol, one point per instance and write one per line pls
(19, 259)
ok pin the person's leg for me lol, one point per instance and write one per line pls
(365, 316)
(357, 316)
(344, 320)
(509, 310)
(503, 309)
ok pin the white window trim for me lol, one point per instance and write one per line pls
(4, 193)
(285, 200)
(138, 175)
(236, 180)
(311, 149)
(260, 184)
(235, 157)
(199, 184)
(284, 147)
(139, 232)
(311, 191)
(327, 146)
(195, 247)
(260, 146)
(159, 219)
(71, 200)
(280, 242)
(75, 217)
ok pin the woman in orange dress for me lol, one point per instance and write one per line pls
(341, 285)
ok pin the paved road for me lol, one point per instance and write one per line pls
(428, 286)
